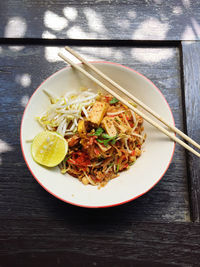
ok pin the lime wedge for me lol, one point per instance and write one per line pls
(49, 148)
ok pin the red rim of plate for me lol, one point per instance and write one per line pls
(105, 206)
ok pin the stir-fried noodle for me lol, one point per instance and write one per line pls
(104, 136)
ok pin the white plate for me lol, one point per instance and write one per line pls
(131, 184)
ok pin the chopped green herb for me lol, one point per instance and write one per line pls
(104, 142)
(98, 132)
(113, 141)
(114, 100)
(117, 169)
(108, 139)
(106, 136)
(111, 164)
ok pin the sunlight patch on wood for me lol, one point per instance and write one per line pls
(94, 53)
(4, 147)
(16, 48)
(95, 21)
(54, 22)
(24, 100)
(151, 55)
(177, 10)
(118, 55)
(23, 79)
(51, 54)
(186, 3)
(15, 28)
(188, 34)
(70, 13)
(132, 14)
(48, 35)
(196, 27)
(77, 33)
(123, 23)
(151, 29)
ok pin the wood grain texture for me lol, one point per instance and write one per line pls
(191, 71)
(101, 19)
(89, 240)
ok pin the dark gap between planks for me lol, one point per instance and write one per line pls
(191, 199)
(88, 42)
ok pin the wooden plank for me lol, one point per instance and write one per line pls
(88, 239)
(101, 19)
(168, 201)
(72, 259)
(191, 67)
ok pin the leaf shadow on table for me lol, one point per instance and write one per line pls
(141, 20)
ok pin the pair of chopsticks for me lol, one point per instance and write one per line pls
(137, 101)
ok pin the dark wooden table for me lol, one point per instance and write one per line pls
(158, 38)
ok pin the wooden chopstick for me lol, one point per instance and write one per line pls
(155, 124)
(136, 100)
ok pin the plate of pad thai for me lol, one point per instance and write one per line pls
(89, 149)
